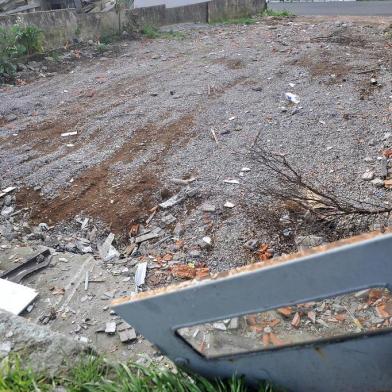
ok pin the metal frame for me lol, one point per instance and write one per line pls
(352, 363)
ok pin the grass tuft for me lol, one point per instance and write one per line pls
(237, 21)
(94, 374)
(282, 13)
(152, 32)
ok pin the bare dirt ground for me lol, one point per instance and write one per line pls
(143, 113)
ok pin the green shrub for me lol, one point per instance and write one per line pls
(17, 41)
(29, 37)
(150, 31)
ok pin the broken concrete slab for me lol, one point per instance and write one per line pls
(127, 335)
(15, 297)
(155, 233)
(40, 348)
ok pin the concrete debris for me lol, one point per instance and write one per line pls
(233, 182)
(207, 241)
(308, 241)
(229, 204)
(5, 348)
(206, 207)
(111, 327)
(179, 181)
(377, 182)
(66, 134)
(140, 275)
(292, 98)
(178, 198)
(155, 233)
(107, 251)
(5, 191)
(7, 211)
(368, 175)
(127, 335)
(219, 326)
(168, 219)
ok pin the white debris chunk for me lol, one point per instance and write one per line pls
(110, 327)
(7, 190)
(234, 182)
(207, 240)
(107, 251)
(140, 275)
(178, 198)
(228, 204)
(66, 134)
(294, 98)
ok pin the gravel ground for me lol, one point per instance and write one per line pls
(143, 112)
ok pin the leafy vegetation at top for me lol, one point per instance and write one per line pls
(94, 374)
(16, 41)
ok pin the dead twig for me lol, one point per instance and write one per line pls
(293, 187)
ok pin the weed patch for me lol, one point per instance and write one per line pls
(95, 374)
(282, 13)
(152, 32)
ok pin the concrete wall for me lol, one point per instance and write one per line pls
(161, 16)
(219, 10)
(62, 26)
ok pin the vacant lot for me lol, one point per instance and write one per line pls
(149, 113)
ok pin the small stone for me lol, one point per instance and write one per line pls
(368, 159)
(229, 204)
(7, 211)
(195, 253)
(368, 175)
(219, 326)
(178, 229)
(168, 219)
(7, 200)
(207, 240)
(208, 207)
(43, 227)
(387, 136)
(252, 244)
(35, 237)
(308, 241)
(377, 182)
(5, 348)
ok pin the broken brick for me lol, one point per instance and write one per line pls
(202, 272)
(266, 339)
(296, 321)
(183, 271)
(286, 311)
(275, 340)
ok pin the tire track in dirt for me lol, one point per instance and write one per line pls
(119, 205)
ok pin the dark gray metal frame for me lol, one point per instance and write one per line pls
(351, 363)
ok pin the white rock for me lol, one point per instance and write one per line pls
(207, 240)
(368, 175)
(228, 204)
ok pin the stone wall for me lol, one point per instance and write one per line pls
(62, 26)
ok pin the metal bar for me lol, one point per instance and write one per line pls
(349, 363)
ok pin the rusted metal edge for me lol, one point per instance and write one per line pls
(250, 267)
